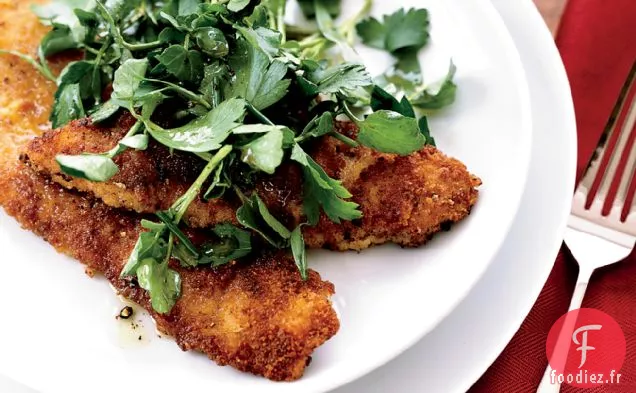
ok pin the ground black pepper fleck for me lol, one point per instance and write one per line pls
(126, 312)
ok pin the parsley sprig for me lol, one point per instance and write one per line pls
(224, 81)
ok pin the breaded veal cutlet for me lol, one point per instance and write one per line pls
(404, 199)
(258, 316)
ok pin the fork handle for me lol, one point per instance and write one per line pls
(547, 385)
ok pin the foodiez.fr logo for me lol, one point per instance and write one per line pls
(586, 348)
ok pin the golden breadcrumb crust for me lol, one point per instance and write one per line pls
(404, 199)
(258, 316)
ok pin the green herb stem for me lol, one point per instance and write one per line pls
(142, 46)
(120, 38)
(259, 115)
(182, 204)
(311, 41)
(299, 31)
(184, 92)
(345, 139)
(94, 51)
(350, 114)
(98, 60)
(280, 26)
(44, 70)
(170, 247)
(348, 28)
(244, 199)
(175, 231)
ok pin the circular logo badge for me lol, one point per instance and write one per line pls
(586, 348)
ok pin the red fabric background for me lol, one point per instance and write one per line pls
(597, 40)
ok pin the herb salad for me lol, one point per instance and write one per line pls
(223, 80)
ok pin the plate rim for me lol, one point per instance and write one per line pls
(528, 133)
(535, 41)
(554, 248)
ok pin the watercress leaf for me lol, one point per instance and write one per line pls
(128, 77)
(408, 67)
(90, 21)
(381, 99)
(81, 72)
(333, 7)
(61, 11)
(149, 244)
(212, 41)
(105, 111)
(172, 36)
(234, 243)
(153, 226)
(120, 9)
(341, 78)
(266, 152)
(242, 245)
(310, 89)
(299, 251)
(391, 132)
(320, 190)
(276, 10)
(406, 108)
(213, 77)
(167, 217)
(271, 221)
(255, 216)
(444, 97)
(59, 39)
(258, 81)
(149, 98)
(319, 126)
(326, 23)
(288, 138)
(398, 31)
(93, 167)
(137, 142)
(220, 183)
(276, 6)
(205, 133)
(163, 284)
(237, 5)
(299, 155)
(207, 19)
(188, 7)
(425, 130)
(67, 105)
(183, 255)
(186, 65)
(262, 38)
(394, 78)
(259, 17)
(372, 33)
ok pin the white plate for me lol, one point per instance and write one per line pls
(387, 298)
(459, 350)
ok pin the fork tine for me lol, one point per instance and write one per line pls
(603, 173)
(630, 218)
(630, 167)
(590, 184)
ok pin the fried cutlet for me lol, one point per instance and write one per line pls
(258, 316)
(404, 199)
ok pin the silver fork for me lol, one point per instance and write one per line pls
(596, 240)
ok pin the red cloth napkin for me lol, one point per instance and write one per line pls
(597, 41)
